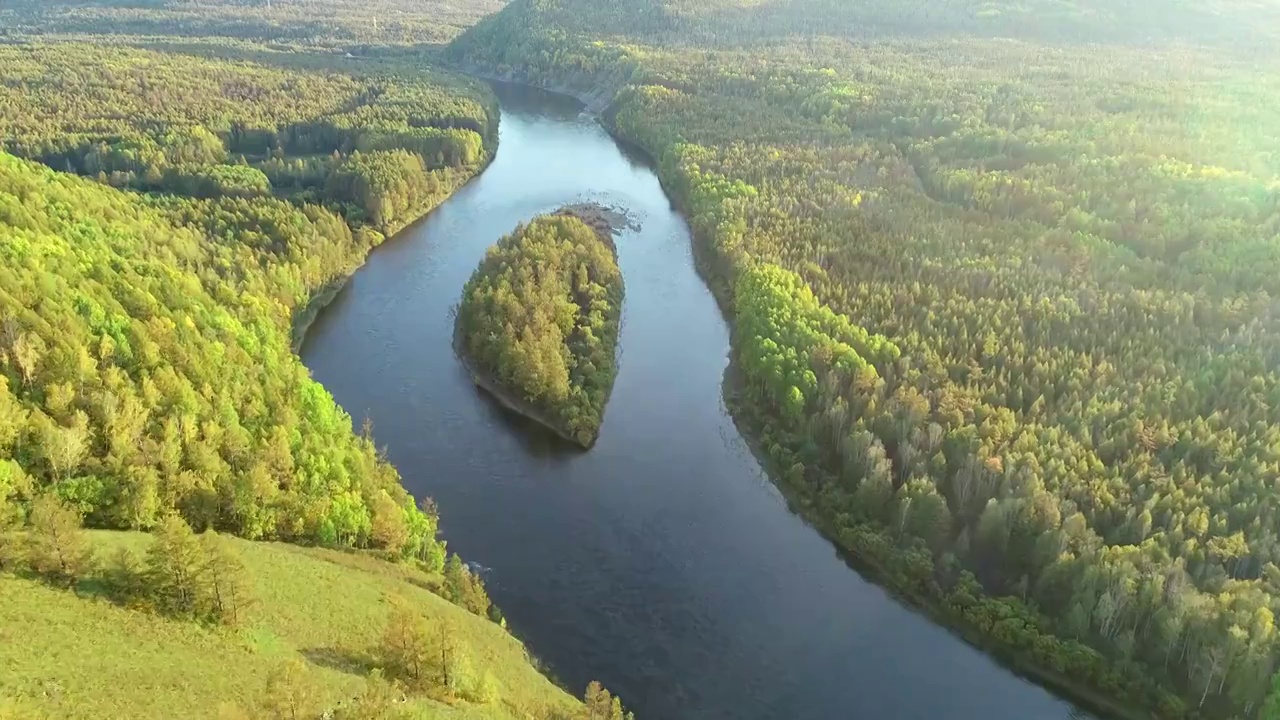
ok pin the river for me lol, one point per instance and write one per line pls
(662, 562)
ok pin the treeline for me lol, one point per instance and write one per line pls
(172, 123)
(540, 317)
(745, 23)
(422, 659)
(184, 576)
(1003, 317)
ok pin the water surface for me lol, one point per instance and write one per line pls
(662, 562)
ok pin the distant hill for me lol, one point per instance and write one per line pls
(731, 22)
(309, 21)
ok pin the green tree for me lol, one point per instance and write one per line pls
(379, 700)
(599, 704)
(462, 587)
(176, 569)
(408, 647)
(56, 543)
(227, 581)
(289, 693)
(389, 528)
(126, 576)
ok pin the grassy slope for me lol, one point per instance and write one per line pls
(80, 657)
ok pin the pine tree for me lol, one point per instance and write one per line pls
(127, 577)
(377, 702)
(10, 540)
(56, 544)
(389, 528)
(176, 569)
(463, 588)
(226, 580)
(406, 643)
(288, 696)
(460, 673)
(599, 704)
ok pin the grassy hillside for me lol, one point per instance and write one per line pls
(66, 655)
(1002, 281)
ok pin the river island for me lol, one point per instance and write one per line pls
(538, 323)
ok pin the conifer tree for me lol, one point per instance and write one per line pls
(176, 569)
(56, 543)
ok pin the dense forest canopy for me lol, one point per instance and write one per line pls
(297, 22)
(145, 339)
(540, 316)
(1003, 282)
(761, 23)
(147, 368)
(379, 145)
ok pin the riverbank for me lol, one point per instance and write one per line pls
(309, 311)
(605, 222)
(495, 389)
(711, 268)
(801, 500)
(665, 541)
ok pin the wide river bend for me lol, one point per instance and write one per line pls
(662, 562)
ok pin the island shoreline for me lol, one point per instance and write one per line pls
(605, 222)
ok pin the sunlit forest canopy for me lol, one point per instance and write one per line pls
(147, 367)
(376, 144)
(540, 317)
(1003, 281)
(145, 339)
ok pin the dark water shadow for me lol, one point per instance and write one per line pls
(533, 436)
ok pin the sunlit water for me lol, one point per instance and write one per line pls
(662, 562)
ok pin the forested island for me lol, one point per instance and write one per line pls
(538, 322)
(1002, 310)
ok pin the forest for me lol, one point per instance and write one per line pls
(1001, 281)
(148, 384)
(539, 317)
(304, 24)
(148, 369)
(999, 275)
(146, 337)
(376, 144)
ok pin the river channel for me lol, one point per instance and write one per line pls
(662, 562)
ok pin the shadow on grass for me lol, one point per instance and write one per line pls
(341, 659)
